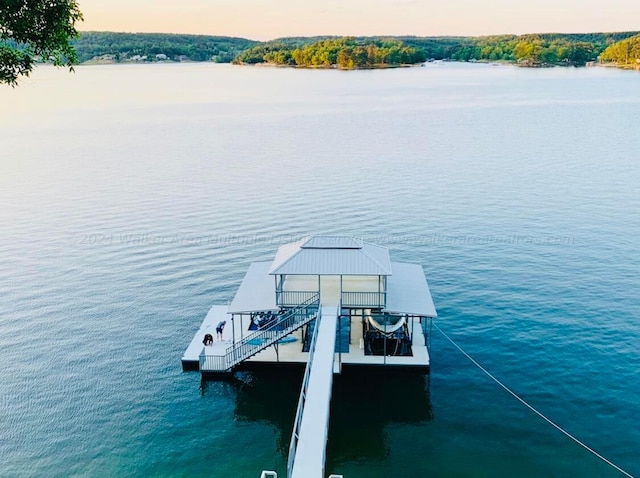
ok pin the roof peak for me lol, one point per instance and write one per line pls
(331, 242)
(331, 255)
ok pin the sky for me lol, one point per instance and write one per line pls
(268, 19)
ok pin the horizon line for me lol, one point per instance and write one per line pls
(361, 36)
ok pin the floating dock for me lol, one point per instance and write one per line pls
(290, 350)
(325, 303)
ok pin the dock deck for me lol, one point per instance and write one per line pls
(290, 350)
(217, 313)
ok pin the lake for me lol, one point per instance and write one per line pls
(134, 197)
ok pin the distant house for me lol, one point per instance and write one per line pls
(161, 57)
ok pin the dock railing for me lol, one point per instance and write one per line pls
(364, 299)
(212, 362)
(288, 298)
(295, 434)
(252, 344)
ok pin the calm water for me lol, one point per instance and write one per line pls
(134, 197)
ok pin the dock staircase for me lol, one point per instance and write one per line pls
(249, 346)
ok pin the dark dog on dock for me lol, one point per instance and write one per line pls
(208, 339)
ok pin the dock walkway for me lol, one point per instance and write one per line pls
(309, 454)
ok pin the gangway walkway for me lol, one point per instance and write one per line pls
(307, 450)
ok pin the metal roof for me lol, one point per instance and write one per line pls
(256, 292)
(331, 255)
(331, 242)
(408, 291)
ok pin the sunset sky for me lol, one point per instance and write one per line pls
(268, 19)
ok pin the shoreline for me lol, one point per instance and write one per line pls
(380, 66)
(630, 67)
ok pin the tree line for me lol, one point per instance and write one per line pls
(149, 47)
(530, 50)
(346, 53)
(353, 52)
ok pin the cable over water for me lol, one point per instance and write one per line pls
(530, 407)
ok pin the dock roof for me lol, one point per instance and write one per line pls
(256, 292)
(331, 255)
(408, 291)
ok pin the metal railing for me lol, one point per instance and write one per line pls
(295, 434)
(364, 299)
(249, 346)
(212, 362)
(286, 298)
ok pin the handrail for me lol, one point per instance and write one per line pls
(256, 342)
(274, 331)
(303, 396)
(364, 299)
(288, 297)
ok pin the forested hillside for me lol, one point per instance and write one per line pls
(361, 52)
(527, 50)
(624, 53)
(117, 47)
(537, 49)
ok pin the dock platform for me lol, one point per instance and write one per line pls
(327, 303)
(289, 351)
(191, 357)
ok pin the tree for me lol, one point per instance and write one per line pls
(580, 53)
(623, 52)
(32, 30)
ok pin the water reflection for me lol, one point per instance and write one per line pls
(364, 403)
(269, 395)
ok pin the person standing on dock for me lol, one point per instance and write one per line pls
(219, 329)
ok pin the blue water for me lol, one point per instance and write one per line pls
(132, 198)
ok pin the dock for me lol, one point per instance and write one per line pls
(324, 303)
(290, 352)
